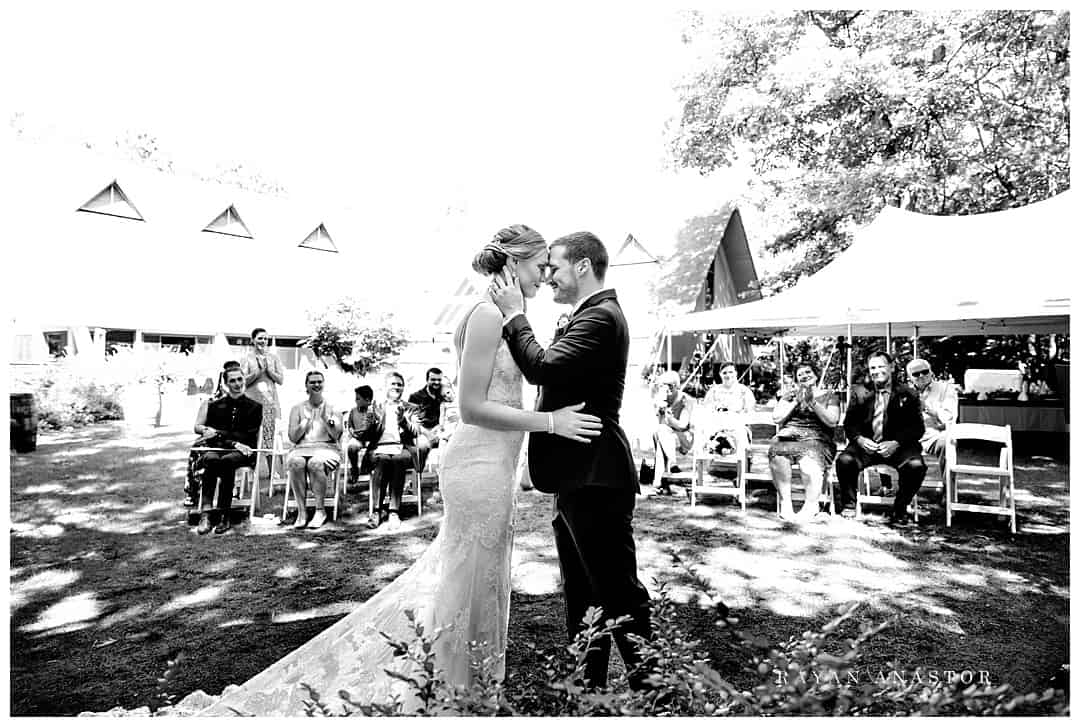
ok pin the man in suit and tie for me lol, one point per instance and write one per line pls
(883, 424)
(595, 484)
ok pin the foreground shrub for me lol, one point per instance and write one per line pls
(815, 673)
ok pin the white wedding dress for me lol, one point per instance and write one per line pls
(462, 581)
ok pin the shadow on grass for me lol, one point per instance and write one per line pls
(107, 581)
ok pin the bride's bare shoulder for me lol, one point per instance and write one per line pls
(486, 314)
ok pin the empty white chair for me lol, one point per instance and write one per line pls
(1003, 472)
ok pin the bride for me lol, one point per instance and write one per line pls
(462, 581)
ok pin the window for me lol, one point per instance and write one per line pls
(167, 342)
(57, 341)
(113, 202)
(182, 344)
(116, 339)
(229, 223)
(319, 239)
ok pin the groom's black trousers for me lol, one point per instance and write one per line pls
(595, 539)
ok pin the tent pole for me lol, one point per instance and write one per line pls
(888, 338)
(780, 340)
(915, 342)
(828, 364)
(850, 356)
(701, 363)
(667, 334)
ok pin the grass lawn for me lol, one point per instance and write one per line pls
(108, 581)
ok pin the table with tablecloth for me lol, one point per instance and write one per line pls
(1021, 416)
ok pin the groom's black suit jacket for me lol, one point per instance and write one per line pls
(587, 363)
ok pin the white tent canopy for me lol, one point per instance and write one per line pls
(994, 273)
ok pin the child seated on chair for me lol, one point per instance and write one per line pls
(315, 430)
(358, 424)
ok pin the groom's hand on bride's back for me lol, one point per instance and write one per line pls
(572, 423)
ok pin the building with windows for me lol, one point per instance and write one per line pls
(114, 254)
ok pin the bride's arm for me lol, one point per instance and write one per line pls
(482, 335)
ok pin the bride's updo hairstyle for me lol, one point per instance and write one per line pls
(517, 242)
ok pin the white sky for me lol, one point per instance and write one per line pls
(552, 115)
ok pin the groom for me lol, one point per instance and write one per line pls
(594, 484)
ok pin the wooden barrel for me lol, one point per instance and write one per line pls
(23, 423)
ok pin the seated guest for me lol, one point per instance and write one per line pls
(427, 402)
(231, 426)
(315, 431)
(728, 404)
(884, 424)
(393, 433)
(939, 406)
(806, 418)
(193, 481)
(358, 424)
(673, 435)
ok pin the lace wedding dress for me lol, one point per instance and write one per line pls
(462, 582)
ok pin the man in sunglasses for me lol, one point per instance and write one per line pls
(939, 407)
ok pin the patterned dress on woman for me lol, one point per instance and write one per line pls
(264, 390)
(805, 435)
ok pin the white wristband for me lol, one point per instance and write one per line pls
(551, 423)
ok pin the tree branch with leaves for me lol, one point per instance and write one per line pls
(359, 340)
(841, 113)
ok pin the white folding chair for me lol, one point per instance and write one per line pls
(828, 483)
(412, 491)
(279, 473)
(334, 491)
(752, 449)
(863, 494)
(245, 484)
(1003, 471)
(703, 459)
